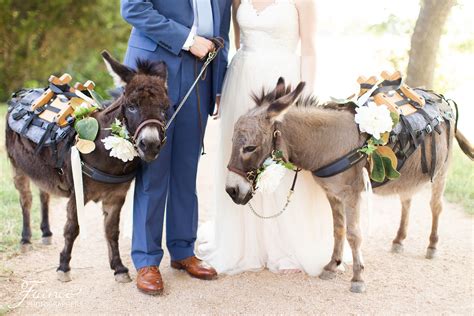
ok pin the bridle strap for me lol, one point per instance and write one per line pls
(242, 173)
(251, 175)
(146, 123)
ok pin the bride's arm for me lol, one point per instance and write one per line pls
(307, 24)
(235, 7)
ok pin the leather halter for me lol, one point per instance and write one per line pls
(251, 175)
(147, 123)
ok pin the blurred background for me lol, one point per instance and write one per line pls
(40, 38)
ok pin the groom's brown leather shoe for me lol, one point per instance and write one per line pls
(149, 280)
(195, 268)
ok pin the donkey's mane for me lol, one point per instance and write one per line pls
(306, 101)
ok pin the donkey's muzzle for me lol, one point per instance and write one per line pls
(149, 142)
(149, 150)
(237, 196)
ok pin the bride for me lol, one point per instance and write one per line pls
(274, 39)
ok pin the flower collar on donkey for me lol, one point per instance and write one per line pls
(119, 143)
(87, 128)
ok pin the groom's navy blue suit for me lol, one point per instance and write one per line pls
(160, 29)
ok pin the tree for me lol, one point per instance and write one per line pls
(39, 38)
(425, 41)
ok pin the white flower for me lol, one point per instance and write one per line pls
(374, 119)
(120, 148)
(269, 180)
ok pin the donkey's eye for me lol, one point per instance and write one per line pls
(132, 108)
(249, 149)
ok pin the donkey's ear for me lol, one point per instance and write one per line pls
(121, 74)
(161, 70)
(280, 88)
(277, 110)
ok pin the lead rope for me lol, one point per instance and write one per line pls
(210, 57)
(198, 96)
(288, 200)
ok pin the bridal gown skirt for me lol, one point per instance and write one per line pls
(236, 240)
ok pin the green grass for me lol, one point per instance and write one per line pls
(460, 185)
(10, 211)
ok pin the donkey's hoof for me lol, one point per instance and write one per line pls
(358, 287)
(430, 253)
(397, 248)
(123, 278)
(26, 247)
(327, 275)
(47, 240)
(64, 276)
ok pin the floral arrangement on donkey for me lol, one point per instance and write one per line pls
(378, 121)
(118, 143)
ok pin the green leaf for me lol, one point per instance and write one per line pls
(379, 142)
(278, 154)
(395, 118)
(289, 166)
(97, 98)
(82, 112)
(369, 148)
(87, 128)
(390, 172)
(378, 170)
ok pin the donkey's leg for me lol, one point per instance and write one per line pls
(354, 237)
(112, 208)
(45, 229)
(338, 215)
(436, 203)
(397, 244)
(71, 231)
(22, 184)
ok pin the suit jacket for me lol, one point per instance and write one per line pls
(160, 29)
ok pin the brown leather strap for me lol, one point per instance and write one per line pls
(239, 172)
(145, 123)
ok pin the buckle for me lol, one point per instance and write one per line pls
(429, 129)
(251, 176)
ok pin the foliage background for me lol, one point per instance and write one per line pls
(40, 38)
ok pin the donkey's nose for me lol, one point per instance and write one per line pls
(233, 192)
(148, 146)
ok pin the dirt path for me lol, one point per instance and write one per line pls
(405, 283)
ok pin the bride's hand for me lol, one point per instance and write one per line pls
(217, 113)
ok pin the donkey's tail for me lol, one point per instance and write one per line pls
(463, 142)
(465, 145)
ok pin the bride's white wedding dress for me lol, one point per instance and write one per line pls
(236, 240)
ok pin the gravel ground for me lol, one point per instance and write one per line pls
(396, 284)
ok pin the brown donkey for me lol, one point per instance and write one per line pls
(312, 136)
(144, 102)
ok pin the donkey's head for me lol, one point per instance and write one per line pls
(144, 103)
(254, 139)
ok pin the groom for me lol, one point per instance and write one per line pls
(176, 32)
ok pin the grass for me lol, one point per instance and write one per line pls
(460, 184)
(10, 211)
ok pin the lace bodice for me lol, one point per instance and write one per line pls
(273, 29)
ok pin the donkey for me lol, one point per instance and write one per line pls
(142, 108)
(312, 136)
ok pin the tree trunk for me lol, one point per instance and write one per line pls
(425, 41)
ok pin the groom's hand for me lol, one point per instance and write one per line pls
(201, 47)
